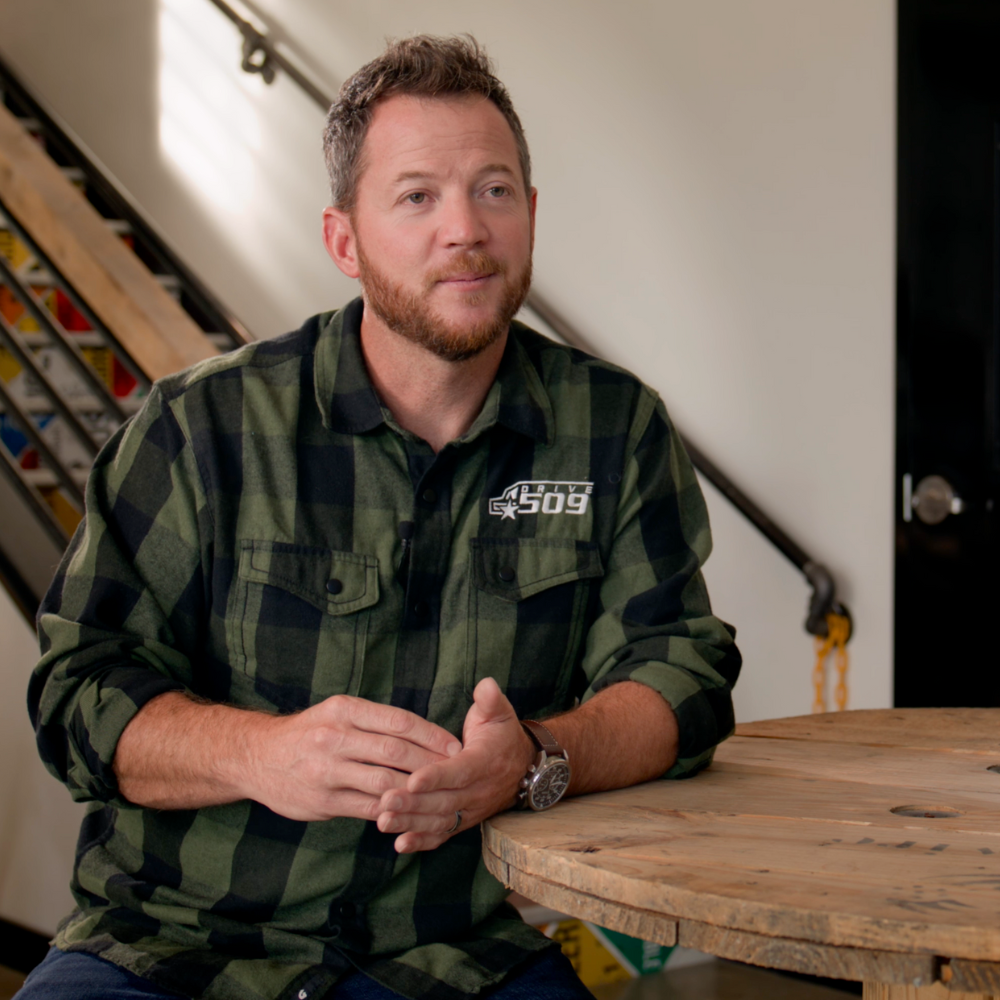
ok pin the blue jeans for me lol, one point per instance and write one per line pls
(75, 975)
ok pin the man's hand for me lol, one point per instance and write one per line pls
(337, 758)
(625, 734)
(341, 756)
(480, 781)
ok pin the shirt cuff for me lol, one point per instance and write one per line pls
(104, 711)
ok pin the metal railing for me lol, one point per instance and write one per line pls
(260, 55)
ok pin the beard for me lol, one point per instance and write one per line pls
(410, 315)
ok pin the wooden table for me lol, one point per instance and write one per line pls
(858, 845)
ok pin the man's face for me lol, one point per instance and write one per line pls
(443, 224)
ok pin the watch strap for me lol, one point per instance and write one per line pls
(543, 739)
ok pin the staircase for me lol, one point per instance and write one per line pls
(93, 308)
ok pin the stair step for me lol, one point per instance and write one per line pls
(39, 406)
(42, 478)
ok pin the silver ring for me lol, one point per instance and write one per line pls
(458, 821)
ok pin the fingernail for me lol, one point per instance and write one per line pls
(454, 748)
(394, 804)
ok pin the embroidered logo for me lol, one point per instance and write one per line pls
(542, 496)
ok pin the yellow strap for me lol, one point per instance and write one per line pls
(838, 632)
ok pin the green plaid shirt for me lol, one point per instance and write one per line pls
(244, 541)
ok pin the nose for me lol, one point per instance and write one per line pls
(462, 224)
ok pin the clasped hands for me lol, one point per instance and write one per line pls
(351, 757)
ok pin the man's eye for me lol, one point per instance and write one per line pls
(497, 191)
(416, 197)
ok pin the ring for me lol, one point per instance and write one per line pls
(458, 821)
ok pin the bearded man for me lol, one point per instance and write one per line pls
(327, 585)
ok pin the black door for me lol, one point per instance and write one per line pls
(948, 429)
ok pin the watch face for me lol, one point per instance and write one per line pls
(549, 785)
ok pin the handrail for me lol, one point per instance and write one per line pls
(820, 579)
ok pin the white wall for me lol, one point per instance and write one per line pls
(38, 821)
(715, 212)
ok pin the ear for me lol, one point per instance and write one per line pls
(340, 242)
(532, 206)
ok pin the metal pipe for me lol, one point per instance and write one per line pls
(255, 42)
(819, 578)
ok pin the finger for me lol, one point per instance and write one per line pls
(438, 823)
(366, 778)
(348, 802)
(413, 841)
(454, 773)
(391, 721)
(388, 751)
(491, 701)
(400, 800)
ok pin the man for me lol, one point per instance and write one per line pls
(322, 579)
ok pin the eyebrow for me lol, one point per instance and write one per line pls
(422, 175)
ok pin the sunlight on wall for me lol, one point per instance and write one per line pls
(209, 127)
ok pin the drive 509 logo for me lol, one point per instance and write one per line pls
(542, 496)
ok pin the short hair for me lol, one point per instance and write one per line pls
(421, 66)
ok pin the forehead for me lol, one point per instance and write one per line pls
(437, 135)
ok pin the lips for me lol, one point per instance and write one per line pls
(466, 278)
(470, 270)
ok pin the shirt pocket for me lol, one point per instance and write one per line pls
(530, 603)
(301, 620)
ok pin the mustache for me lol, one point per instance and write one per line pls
(475, 261)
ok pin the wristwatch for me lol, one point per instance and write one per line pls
(548, 778)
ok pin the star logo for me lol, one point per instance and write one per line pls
(508, 509)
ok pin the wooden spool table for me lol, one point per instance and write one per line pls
(858, 845)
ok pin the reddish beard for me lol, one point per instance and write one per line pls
(409, 315)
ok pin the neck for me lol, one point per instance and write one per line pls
(433, 398)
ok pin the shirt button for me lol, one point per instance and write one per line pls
(507, 574)
(334, 586)
(430, 496)
(348, 910)
(421, 609)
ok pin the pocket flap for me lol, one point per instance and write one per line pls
(517, 568)
(335, 582)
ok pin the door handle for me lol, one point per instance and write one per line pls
(934, 499)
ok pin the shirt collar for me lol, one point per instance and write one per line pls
(349, 404)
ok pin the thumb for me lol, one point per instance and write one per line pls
(491, 702)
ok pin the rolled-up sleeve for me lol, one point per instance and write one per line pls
(656, 624)
(125, 603)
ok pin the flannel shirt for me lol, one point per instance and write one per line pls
(243, 543)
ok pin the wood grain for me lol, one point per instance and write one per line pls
(787, 853)
(973, 977)
(931, 728)
(812, 959)
(938, 991)
(154, 330)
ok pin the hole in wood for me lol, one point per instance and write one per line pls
(995, 768)
(926, 812)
